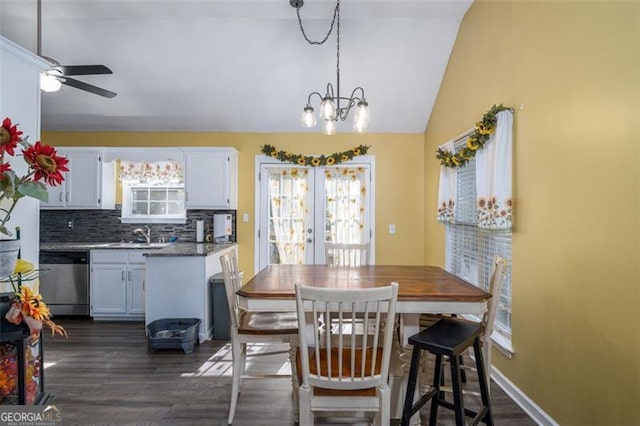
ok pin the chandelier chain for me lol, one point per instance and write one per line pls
(338, 50)
(336, 12)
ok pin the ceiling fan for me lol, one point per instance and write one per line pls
(59, 74)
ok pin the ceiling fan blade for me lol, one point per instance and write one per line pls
(83, 69)
(87, 87)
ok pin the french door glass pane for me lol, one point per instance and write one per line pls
(287, 213)
(345, 200)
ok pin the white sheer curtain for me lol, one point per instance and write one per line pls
(346, 193)
(493, 176)
(447, 189)
(288, 190)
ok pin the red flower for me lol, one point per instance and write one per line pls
(9, 137)
(4, 167)
(47, 165)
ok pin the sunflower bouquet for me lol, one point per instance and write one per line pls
(28, 307)
(44, 167)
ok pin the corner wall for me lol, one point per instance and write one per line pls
(575, 69)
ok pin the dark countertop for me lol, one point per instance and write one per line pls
(189, 249)
(170, 249)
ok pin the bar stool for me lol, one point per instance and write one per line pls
(447, 337)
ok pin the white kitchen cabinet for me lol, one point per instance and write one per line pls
(89, 183)
(108, 290)
(118, 280)
(211, 178)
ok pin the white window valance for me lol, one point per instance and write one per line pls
(493, 175)
(151, 173)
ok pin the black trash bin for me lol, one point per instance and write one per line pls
(220, 307)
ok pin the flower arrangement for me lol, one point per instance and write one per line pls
(481, 133)
(28, 306)
(308, 160)
(45, 167)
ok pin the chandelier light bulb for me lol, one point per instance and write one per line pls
(329, 127)
(328, 108)
(48, 83)
(361, 118)
(308, 117)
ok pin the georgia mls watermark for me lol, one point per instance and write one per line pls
(30, 415)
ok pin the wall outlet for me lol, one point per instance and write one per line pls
(245, 217)
(392, 229)
(70, 224)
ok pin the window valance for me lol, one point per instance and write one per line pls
(152, 173)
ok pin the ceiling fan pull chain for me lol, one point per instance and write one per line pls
(298, 4)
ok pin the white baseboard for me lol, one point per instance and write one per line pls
(528, 406)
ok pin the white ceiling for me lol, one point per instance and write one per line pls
(237, 65)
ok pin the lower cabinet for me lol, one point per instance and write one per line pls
(118, 280)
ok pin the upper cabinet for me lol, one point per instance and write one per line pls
(89, 184)
(211, 178)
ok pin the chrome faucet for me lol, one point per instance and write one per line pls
(146, 235)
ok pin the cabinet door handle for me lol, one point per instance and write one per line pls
(143, 283)
(123, 275)
(129, 275)
(67, 196)
(60, 197)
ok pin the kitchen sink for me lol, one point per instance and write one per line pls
(138, 245)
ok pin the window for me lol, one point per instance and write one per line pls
(152, 192)
(153, 203)
(470, 250)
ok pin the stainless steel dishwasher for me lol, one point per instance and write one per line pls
(65, 284)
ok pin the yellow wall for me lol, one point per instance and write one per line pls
(575, 68)
(399, 180)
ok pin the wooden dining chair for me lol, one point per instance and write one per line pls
(344, 371)
(346, 254)
(496, 281)
(251, 327)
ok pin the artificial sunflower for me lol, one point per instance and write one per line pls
(47, 164)
(9, 137)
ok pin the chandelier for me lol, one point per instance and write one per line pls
(332, 105)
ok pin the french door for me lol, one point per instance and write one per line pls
(300, 208)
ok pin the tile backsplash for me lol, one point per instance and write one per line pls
(105, 225)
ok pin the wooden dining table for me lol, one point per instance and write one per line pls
(421, 289)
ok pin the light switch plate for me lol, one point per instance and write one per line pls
(392, 229)
(245, 217)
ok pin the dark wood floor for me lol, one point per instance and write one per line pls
(103, 374)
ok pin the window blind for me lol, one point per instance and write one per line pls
(470, 250)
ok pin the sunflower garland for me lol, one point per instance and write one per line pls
(308, 160)
(481, 133)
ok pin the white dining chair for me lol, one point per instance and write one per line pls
(344, 372)
(251, 327)
(496, 281)
(346, 254)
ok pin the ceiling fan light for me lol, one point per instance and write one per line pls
(49, 83)
(308, 117)
(329, 127)
(328, 108)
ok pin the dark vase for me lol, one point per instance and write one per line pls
(5, 303)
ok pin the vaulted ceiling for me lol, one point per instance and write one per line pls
(237, 65)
